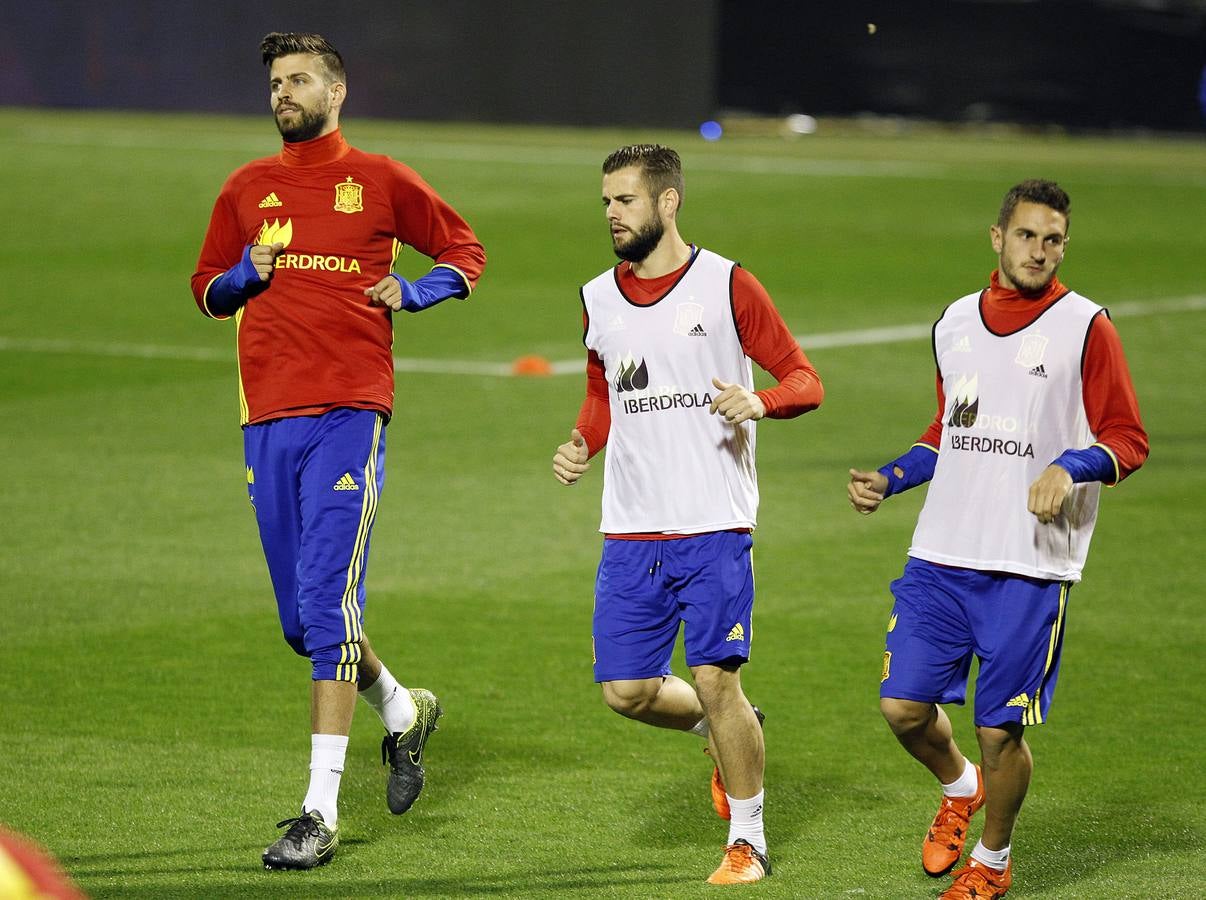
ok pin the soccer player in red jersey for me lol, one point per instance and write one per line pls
(1035, 411)
(671, 332)
(299, 251)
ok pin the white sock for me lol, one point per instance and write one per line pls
(997, 859)
(327, 752)
(965, 785)
(391, 701)
(746, 821)
(701, 728)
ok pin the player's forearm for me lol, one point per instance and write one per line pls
(913, 468)
(594, 417)
(1127, 444)
(441, 283)
(1094, 463)
(799, 390)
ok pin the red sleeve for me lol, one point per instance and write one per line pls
(594, 418)
(1109, 397)
(933, 435)
(222, 248)
(424, 221)
(767, 340)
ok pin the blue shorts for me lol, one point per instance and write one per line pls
(646, 588)
(314, 483)
(1013, 624)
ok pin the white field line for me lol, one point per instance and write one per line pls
(513, 154)
(810, 342)
(546, 154)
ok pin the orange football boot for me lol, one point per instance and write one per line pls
(742, 864)
(944, 842)
(978, 881)
(720, 800)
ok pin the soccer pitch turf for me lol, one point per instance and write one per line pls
(154, 726)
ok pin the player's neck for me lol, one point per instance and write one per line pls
(670, 254)
(325, 148)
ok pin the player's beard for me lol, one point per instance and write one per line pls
(1025, 282)
(309, 125)
(642, 242)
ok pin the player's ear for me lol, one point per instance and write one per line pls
(339, 93)
(670, 202)
(998, 238)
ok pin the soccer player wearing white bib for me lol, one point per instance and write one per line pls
(670, 334)
(1035, 411)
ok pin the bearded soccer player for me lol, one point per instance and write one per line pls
(1035, 411)
(670, 333)
(299, 251)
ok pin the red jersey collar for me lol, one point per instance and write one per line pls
(997, 294)
(321, 150)
(646, 291)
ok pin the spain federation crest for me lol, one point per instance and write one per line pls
(688, 320)
(1030, 354)
(349, 197)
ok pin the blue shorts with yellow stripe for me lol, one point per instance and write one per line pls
(314, 483)
(1012, 624)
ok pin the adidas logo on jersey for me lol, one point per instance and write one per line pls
(963, 345)
(697, 331)
(1038, 371)
(736, 634)
(346, 483)
(271, 200)
(1022, 700)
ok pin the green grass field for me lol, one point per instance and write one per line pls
(154, 726)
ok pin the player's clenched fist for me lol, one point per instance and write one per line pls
(569, 462)
(263, 257)
(866, 490)
(1048, 493)
(386, 292)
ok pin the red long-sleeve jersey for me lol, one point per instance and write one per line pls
(1111, 407)
(311, 342)
(765, 338)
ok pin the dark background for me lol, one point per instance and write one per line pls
(1079, 64)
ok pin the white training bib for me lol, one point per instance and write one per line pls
(1013, 404)
(671, 466)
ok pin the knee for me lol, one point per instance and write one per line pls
(905, 716)
(717, 685)
(998, 741)
(631, 698)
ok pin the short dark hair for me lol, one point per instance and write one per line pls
(1035, 190)
(285, 43)
(660, 166)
